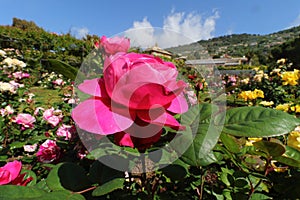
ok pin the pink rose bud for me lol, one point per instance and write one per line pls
(113, 45)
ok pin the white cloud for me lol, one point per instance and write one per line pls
(178, 28)
(79, 32)
(296, 22)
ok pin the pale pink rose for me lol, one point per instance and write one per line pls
(71, 101)
(30, 148)
(26, 120)
(155, 97)
(58, 82)
(48, 113)
(16, 85)
(53, 120)
(65, 131)
(48, 152)
(111, 46)
(2, 112)
(52, 116)
(8, 110)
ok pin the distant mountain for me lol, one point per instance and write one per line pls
(236, 45)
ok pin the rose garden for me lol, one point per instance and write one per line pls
(129, 125)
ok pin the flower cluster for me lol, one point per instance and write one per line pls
(251, 95)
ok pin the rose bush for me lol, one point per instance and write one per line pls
(137, 95)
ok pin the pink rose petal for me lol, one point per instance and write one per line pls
(94, 87)
(96, 116)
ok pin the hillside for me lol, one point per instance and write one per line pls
(249, 45)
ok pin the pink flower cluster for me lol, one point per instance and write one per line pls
(138, 95)
(20, 75)
(10, 174)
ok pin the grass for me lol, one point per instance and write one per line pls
(45, 96)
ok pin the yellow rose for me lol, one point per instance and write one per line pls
(284, 107)
(290, 78)
(259, 93)
(296, 108)
(293, 139)
(267, 103)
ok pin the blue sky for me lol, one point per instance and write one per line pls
(196, 19)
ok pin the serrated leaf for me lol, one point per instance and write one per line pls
(257, 122)
(108, 187)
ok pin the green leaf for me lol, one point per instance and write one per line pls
(291, 157)
(207, 135)
(100, 173)
(17, 144)
(257, 122)
(53, 180)
(29, 174)
(68, 176)
(175, 172)
(108, 187)
(59, 195)
(270, 148)
(199, 152)
(230, 143)
(14, 192)
(259, 196)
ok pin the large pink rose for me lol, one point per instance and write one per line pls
(10, 172)
(137, 96)
(111, 46)
(48, 152)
